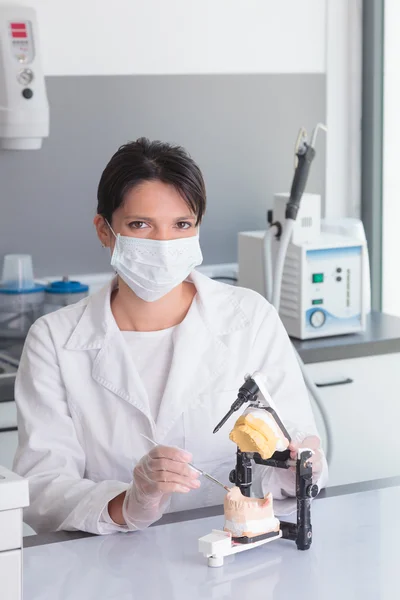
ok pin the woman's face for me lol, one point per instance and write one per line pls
(152, 210)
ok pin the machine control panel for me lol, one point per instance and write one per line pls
(332, 291)
(21, 39)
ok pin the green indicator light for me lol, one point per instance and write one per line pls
(319, 301)
(318, 278)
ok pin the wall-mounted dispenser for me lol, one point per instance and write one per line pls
(24, 109)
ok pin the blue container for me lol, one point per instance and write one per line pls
(19, 309)
(63, 293)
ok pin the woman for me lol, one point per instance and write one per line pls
(161, 351)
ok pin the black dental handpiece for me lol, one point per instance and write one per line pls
(247, 393)
(299, 183)
(235, 406)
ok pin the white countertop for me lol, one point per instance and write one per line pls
(355, 555)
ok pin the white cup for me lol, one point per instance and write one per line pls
(18, 272)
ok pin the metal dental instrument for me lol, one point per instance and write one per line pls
(206, 475)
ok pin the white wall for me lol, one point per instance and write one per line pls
(343, 70)
(109, 37)
(391, 164)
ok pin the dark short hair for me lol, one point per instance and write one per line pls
(143, 160)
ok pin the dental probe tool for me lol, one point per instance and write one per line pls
(207, 475)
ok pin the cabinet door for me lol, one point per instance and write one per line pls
(8, 447)
(8, 414)
(364, 416)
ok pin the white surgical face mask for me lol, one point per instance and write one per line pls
(152, 268)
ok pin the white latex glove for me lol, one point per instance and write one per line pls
(160, 473)
(282, 482)
(300, 440)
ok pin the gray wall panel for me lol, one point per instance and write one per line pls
(240, 128)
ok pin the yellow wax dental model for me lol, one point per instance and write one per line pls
(257, 431)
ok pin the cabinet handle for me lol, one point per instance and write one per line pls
(6, 429)
(337, 382)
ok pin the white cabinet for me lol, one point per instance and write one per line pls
(8, 414)
(8, 439)
(11, 574)
(8, 447)
(364, 416)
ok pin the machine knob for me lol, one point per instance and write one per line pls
(232, 476)
(317, 318)
(25, 77)
(312, 491)
(27, 93)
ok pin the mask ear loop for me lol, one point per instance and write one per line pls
(111, 229)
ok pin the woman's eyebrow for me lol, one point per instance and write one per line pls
(151, 220)
(138, 218)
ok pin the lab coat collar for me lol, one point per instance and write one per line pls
(219, 305)
(199, 351)
(113, 367)
(96, 322)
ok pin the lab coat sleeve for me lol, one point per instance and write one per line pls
(286, 385)
(49, 453)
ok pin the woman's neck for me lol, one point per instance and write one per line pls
(134, 314)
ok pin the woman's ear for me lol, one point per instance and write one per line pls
(103, 231)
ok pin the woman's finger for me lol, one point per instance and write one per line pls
(313, 442)
(171, 453)
(165, 464)
(151, 478)
(173, 488)
(168, 477)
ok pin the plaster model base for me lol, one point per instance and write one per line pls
(249, 517)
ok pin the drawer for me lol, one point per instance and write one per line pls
(11, 529)
(8, 414)
(8, 448)
(11, 575)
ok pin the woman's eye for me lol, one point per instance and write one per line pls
(183, 225)
(137, 225)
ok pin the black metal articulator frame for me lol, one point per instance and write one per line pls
(301, 531)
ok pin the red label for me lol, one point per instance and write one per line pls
(19, 34)
(18, 26)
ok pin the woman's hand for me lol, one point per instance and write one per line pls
(165, 470)
(160, 473)
(313, 443)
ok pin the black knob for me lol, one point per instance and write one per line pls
(338, 270)
(232, 476)
(312, 491)
(27, 93)
(338, 278)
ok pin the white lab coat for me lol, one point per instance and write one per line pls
(82, 406)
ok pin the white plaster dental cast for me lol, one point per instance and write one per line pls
(244, 517)
(249, 517)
